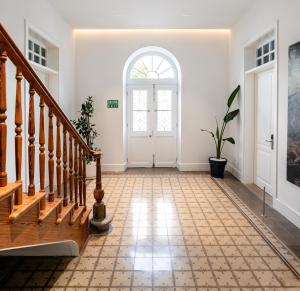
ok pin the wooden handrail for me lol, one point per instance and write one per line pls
(70, 159)
(17, 57)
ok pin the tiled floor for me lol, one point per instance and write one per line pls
(169, 231)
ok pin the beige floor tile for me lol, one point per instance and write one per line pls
(60, 278)
(218, 263)
(181, 264)
(225, 278)
(91, 251)
(205, 279)
(105, 264)
(101, 279)
(86, 264)
(80, 279)
(267, 278)
(122, 278)
(163, 279)
(142, 278)
(246, 278)
(184, 278)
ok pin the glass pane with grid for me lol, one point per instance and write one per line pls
(164, 110)
(139, 110)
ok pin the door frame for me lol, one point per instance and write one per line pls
(274, 122)
(127, 82)
(247, 134)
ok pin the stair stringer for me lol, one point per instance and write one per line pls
(26, 231)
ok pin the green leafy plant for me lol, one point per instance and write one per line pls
(84, 125)
(218, 135)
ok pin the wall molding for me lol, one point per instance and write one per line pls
(234, 171)
(188, 167)
(289, 213)
(114, 167)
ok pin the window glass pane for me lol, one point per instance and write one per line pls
(30, 45)
(139, 100)
(36, 48)
(169, 74)
(164, 120)
(259, 62)
(43, 52)
(152, 67)
(266, 59)
(164, 100)
(259, 52)
(272, 56)
(272, 44)
(36, 59)
(266, 48)
(43, 62)
(30, 56)
(139, 121)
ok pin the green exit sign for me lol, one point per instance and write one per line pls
(112, 103)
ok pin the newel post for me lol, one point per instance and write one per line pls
(101, 219)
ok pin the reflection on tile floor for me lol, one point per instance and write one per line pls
(169, 231)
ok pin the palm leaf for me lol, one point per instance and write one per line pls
(233, 95)
(231, 115)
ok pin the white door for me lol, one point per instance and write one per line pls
(152, 124)
(265, 158)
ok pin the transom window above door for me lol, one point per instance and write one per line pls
(152, 67)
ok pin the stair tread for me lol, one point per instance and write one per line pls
(85, 215)
(28, 202)
(8, 190)
(76, 214)
(64, 212)
(50, 207)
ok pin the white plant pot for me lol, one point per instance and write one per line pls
(91, 170)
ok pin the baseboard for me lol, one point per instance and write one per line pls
(188, 167)
(234, 171)
(114, 167)
(287, 212)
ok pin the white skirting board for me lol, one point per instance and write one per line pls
(188, 167)
(114, 167)
(287, 212)
(234, 171)
(61, 248)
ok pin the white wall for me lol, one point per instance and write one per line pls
(262, 16)
(44, 17)
(203, 57)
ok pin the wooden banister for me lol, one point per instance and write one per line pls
(18, 59)
(70, 160)
(3, 117)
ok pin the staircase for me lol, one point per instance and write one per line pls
(49, 214)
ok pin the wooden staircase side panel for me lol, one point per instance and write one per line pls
(27, 231)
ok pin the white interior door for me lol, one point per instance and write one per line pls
(265, 157)
(152, 123)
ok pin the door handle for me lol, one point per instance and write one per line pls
(271, 141)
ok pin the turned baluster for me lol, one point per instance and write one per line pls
(18, 137)
(71, 167)
(84, 178)
(80, 176)
(42, 152)
(65, 167)
(31, 139)
(50, 155)
(3, 117)
(58, 158)
(76, 173)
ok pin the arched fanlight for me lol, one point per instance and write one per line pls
(152, 67)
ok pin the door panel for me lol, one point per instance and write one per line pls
(152, 126)
(265, 169)
(140, 143)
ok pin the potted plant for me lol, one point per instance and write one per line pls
(218, 163)
(88, 132)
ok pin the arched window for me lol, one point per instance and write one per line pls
(152, 67)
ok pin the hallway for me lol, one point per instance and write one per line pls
(170, 230)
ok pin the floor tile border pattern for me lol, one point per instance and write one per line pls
(287, 256)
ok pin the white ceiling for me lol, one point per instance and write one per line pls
(130, 14)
